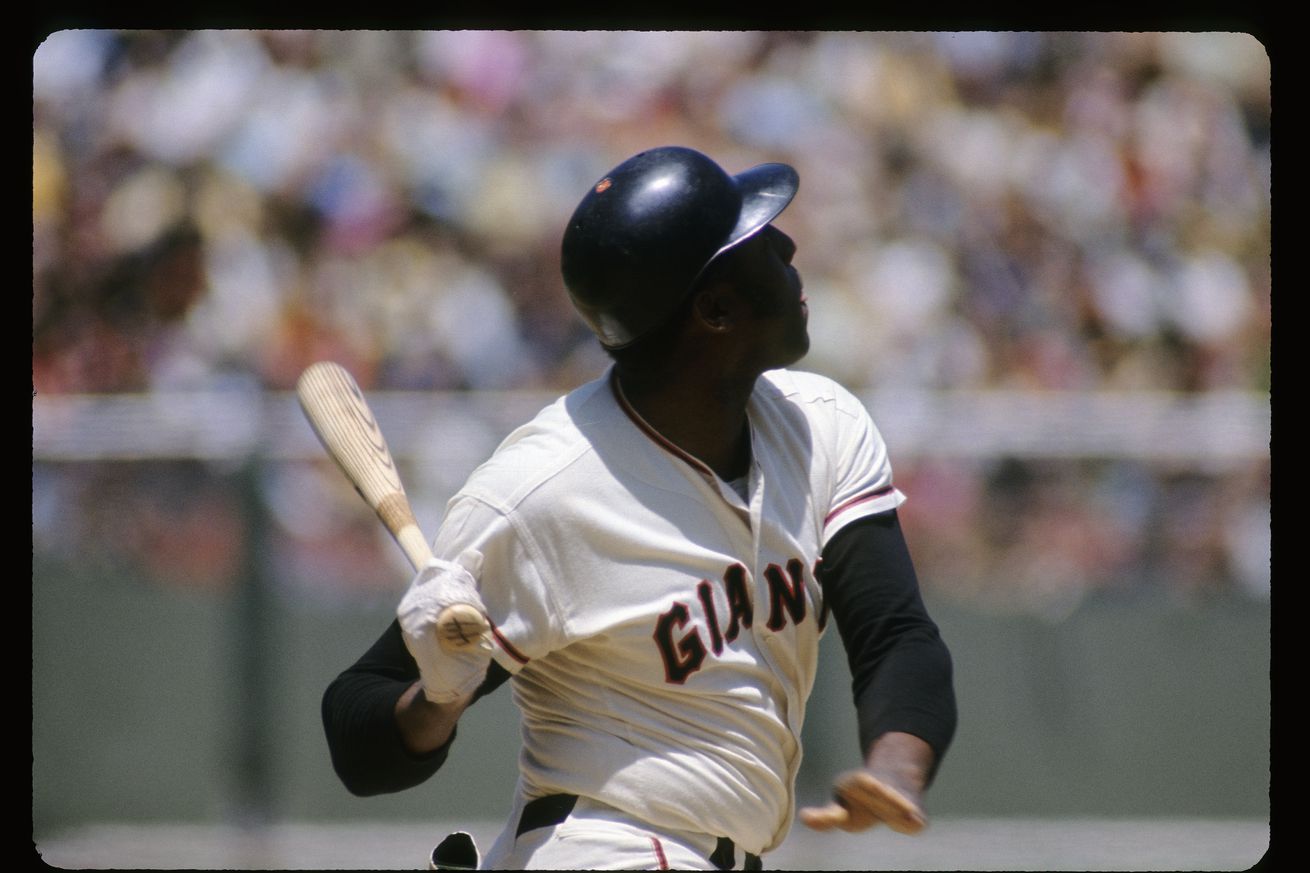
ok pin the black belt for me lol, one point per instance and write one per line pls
(554, 808)
(546, 811)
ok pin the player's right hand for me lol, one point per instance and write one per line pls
(445, 676)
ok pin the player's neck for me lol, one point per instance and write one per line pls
(706, 418)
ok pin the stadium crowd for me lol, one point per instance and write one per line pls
(1030, 211)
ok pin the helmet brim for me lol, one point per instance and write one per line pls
(766, 191)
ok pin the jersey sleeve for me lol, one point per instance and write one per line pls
(526, 622)
(861, 475)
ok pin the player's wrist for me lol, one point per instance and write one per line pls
(426, 725)
(903, 759)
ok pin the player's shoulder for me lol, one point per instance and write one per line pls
(541, 451)
(812, 393)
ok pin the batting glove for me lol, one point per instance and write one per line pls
(445, 676)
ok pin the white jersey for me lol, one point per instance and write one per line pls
(662, 632)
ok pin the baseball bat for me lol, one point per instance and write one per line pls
(345, 425)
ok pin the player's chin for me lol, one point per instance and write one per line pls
(799, 345)
(788, 341)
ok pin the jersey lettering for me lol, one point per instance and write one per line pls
(706, 594)
(684, 657)
(785, 593)
(740, 610)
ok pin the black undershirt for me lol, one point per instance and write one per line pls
(359, 718)
(900, 668)
(901, 671)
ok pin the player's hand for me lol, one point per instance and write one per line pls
(445, 676)
(861, 801)
(888, 790)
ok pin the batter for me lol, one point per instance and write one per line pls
(659, 553)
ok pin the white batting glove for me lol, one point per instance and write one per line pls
(445, 676)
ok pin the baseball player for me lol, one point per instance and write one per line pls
(658, 554)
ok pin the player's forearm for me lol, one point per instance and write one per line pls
(426, 726)
(910, 693)
(368, 750)
(902, 675)
(364, 737)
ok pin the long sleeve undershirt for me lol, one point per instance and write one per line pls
(359, 718)
(901, 670)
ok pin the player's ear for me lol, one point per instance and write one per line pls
(718, 305)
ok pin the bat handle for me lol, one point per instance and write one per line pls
(415, 545)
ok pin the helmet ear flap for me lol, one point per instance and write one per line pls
(642, 237)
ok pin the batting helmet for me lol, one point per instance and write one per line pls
(643, 234)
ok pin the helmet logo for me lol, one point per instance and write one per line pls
(603, 185)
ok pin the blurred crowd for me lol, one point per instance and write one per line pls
(1031, 211)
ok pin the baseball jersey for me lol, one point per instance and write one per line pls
(661, 631)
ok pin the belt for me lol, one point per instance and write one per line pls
(554, 808)
(545, 811)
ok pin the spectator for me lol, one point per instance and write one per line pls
(986, 210)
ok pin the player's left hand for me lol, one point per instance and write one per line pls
(888, 790)
(446, 676)
(862, 800)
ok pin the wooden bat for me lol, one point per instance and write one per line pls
(344, 423)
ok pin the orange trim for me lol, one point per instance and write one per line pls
(856, 501)
(659, 853)
(507, 645)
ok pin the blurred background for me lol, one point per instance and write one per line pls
(1042, 259)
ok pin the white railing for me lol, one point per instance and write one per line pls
(1206, 430)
